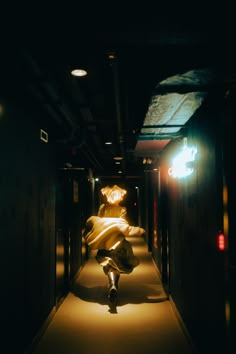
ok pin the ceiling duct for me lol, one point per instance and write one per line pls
(173, 103)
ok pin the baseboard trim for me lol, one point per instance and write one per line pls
(41, 331)
(182, 324)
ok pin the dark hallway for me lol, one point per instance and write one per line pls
(158, 81)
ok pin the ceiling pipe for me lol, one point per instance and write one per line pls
(120, 133)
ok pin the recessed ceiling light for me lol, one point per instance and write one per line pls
(79, 72)
(112, 55)
(108, 143)
(118, 158)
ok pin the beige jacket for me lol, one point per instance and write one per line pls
(105, 232)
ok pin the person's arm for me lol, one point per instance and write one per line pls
(136, 231)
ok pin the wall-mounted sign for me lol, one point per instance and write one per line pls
(43, 136)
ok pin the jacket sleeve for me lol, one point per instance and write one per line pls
(123, 213)
(135, 231)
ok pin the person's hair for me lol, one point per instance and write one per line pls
(113, 194)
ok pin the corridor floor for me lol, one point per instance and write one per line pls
(143, 321)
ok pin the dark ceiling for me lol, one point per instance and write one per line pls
(111, 102)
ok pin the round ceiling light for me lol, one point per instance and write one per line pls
(79, 72)
(118, 158)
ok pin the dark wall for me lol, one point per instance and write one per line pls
(39, 214)
(78, 207)
(228, 123)
(72, 190)
(194, 216)
(27, 220)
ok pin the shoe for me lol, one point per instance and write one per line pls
(113, 294)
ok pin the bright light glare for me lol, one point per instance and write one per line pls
(180, 168)
(114, 194)
(79, 72)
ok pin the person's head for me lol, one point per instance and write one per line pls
(114, 194)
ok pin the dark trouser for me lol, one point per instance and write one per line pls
(121, 258)
(113, 279)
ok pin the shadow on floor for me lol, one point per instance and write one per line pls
(130, 294)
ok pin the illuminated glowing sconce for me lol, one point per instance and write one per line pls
(182, 165)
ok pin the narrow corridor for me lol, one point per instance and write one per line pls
(144, 320)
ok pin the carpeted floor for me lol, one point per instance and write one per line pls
(142, 322)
